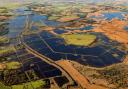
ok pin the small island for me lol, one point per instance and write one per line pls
(79, 39)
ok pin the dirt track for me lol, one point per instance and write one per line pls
(79, 78)
(74, 73)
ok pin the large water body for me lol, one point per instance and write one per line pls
(17, 25)
(97, 56)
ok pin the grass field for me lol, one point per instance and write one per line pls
(4, 39)
(30, 85)
(2, 86)
(6, 50)
(13, 65)
(53, 17)
(33, 85)
(79, 39)
(12, 5)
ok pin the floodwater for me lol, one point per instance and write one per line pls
(126, 28)
(111, 15)
(55, 48)
(17, 23)
(89, 27)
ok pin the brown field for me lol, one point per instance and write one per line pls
(68, 18)
(114, 30)
(3, 17)
(126, 60)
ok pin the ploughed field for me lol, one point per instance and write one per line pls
(102, 53)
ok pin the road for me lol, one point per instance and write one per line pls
(65, 67)
(74, 73)
(49, 61)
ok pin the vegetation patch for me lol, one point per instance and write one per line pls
(116, 76)
(4, 39)
(79, 39)
(2, 86)
(53, 17)
(30, 85)
(13, 65)
(68, 18)
(6, 50)
(11, 5)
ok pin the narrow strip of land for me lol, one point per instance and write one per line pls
(74, 73)
(48, 60)
(79, 78)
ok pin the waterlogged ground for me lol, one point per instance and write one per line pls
(48, 41)
(99, 55)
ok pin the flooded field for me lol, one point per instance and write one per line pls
(55, 48)
(36, 41)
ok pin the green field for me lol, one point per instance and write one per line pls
(2, 86)
(12, 5)
(13, 65)
(29, 85)
(53, 17)
(4, 39)
(79, 39)
(6, 50)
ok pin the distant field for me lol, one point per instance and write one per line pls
(53, 17)
(68, 18)
(79, 39)
(4, 39)
(11, 5)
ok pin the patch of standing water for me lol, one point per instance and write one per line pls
(16, 25)
(89, 27)
(22, 11)
(34, 28)
(60, 31)
(126, 28)
(111, 15)
(38, 18)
